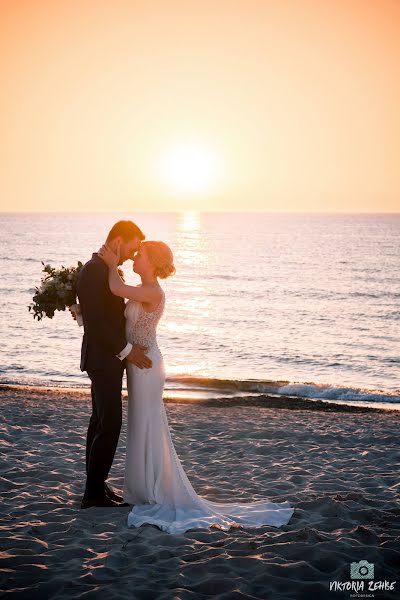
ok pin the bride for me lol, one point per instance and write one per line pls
(155, 482)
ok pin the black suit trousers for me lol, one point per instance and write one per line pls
(104, 425)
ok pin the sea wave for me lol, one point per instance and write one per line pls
(234, 391)
(230, 387)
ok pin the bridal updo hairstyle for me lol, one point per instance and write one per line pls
(161, 258)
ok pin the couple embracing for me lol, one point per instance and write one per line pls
(119, 336)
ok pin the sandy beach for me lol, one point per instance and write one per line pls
(338, 468)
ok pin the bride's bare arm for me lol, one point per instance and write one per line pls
(143, 293)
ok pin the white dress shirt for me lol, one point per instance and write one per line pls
(124, 353)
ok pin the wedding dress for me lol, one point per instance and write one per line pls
(155, 481)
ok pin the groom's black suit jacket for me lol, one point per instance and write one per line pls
(103, 317)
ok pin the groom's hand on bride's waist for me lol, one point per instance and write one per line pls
(138, 357)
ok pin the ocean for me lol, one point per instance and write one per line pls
(285, 304)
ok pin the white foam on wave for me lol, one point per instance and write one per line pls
(345, 394)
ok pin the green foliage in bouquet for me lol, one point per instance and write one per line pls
(57, 291)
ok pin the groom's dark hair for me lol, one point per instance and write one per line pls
(127, 230)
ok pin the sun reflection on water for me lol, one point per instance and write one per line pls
(190, 221)
(192, 258)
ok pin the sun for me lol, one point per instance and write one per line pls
(190, 167)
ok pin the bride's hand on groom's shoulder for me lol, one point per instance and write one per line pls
(110, 258)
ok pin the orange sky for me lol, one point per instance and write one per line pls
(299, 100)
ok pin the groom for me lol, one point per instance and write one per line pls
(104, 354)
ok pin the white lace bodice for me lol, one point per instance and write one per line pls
(141, 326)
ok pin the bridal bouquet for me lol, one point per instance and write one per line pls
(57, 291)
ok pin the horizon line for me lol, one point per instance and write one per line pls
(199, 211)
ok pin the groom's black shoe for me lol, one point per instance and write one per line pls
(112, 495)
(102, 502)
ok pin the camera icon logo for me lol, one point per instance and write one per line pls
(362, 570)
